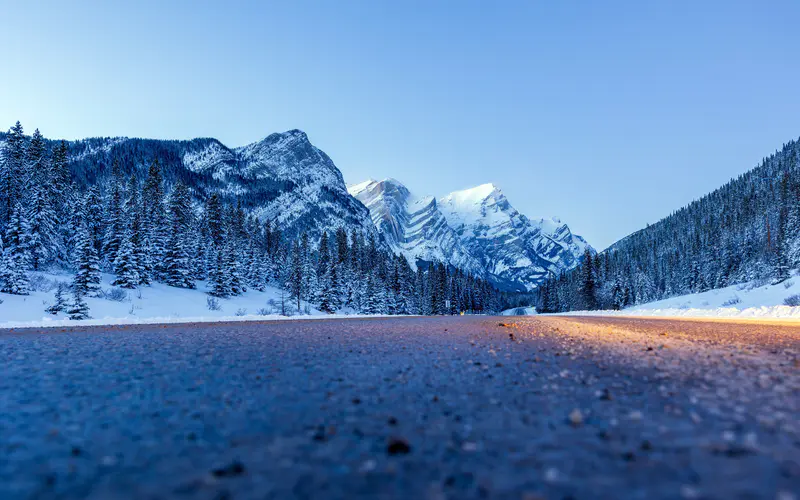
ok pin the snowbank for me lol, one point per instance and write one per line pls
(774, 312)
(157, 303)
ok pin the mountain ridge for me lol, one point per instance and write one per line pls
(484, 232)
(282, 178)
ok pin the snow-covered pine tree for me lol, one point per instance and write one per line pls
(43, 246)
(60, 191)
(218, 277)
(12, 173)
(781, 259)
(92, 215)
(16, 260)
(325, 293)
(126, 266)
(215, 221)
(588, 282)
(253, 268)
(374, 296)
(233, 274)
(176, 267)
(335, 286)
(154, 221)
(60, 304)
(36, 163)
(139, 235)
(296, 275)
(79, 309)
(87, 275)
(420, 303)
(127, 263)
(309, 282)
(114, 216)
(60, 179)
(323, 273)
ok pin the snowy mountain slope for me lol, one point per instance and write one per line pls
(476, 229)
(413, 227)
(511, 247)
(282, 178)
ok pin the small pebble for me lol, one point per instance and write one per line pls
(576, 417)
(398, 446)
(233, 469)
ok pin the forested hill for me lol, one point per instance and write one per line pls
(283, 178)
(746, 230)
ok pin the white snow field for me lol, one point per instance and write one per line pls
(157, 303)
(755, 299)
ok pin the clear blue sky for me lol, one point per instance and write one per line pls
(607, 114)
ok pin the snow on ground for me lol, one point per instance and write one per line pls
(755, 299)
(157, 303)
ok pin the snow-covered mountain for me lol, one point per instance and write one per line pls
(475, 229)
(282, 178)
(412, 226)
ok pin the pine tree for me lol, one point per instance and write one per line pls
(296, 279)
(587, 282)
(781, 246)
(234, 275)
(16, 260)
(308, 273)
(218, 277)
(43, 245)
(36, 164)
(87, 276)
(138, 233)
(374, 296)
(125, 266)
(177, 269)
(114, 216)
(60, 192)
(79, 309)
(60, 178)
(60, 304)
(12, 173)
(215, 220)
(13, 278)
(154, 221)
(325, 295)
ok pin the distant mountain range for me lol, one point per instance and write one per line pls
(475, 229)
(288, 181)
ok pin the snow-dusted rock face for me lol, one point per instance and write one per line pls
(476, 229)
(412, 226)
(514, 249)
(314, 195)
(282, 178)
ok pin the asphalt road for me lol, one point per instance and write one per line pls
(459, 407)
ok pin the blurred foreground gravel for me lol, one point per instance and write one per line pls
(462, 407)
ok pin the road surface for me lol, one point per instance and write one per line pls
(461, 407)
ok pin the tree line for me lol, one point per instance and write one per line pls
(144, 231)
